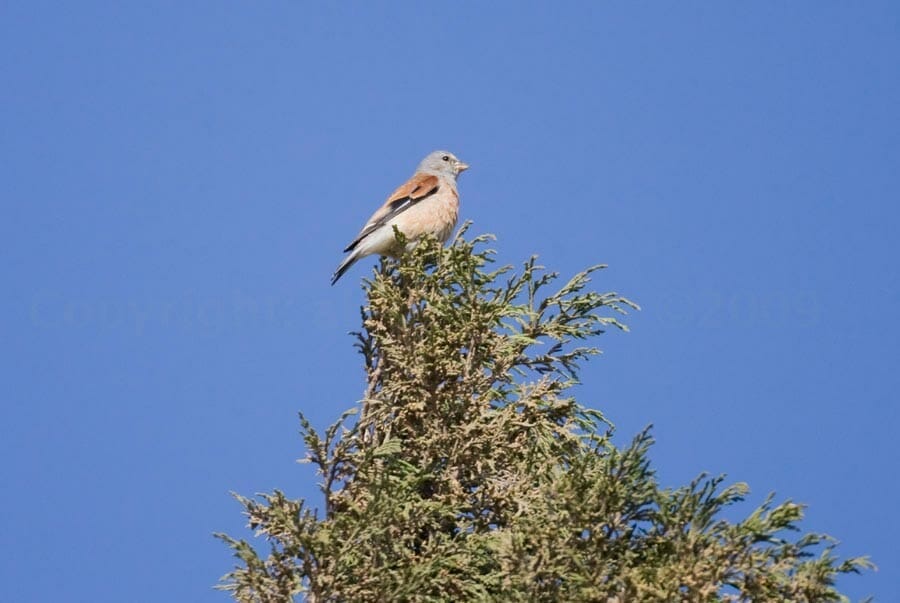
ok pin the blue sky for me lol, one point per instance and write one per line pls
(179, 179)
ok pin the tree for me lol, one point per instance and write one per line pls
(468, 474)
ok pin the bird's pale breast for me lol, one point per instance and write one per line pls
(436, 215)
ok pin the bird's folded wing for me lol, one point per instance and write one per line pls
(413, 191)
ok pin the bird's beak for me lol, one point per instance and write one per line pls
(462, 167)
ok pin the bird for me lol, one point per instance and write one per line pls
(427, 203)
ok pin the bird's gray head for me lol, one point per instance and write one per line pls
(442, 163)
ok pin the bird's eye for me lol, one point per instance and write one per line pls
(446, 157)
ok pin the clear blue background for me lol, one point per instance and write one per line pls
(178, 180)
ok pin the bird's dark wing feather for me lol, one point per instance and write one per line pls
(417, 188)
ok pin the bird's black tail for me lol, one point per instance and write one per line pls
(344, 267)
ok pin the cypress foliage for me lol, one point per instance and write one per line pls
(468, 472)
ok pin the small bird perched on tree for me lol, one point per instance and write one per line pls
(427, 203)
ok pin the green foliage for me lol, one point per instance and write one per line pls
(468, 474)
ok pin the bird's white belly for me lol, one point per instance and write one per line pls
(428, 217)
